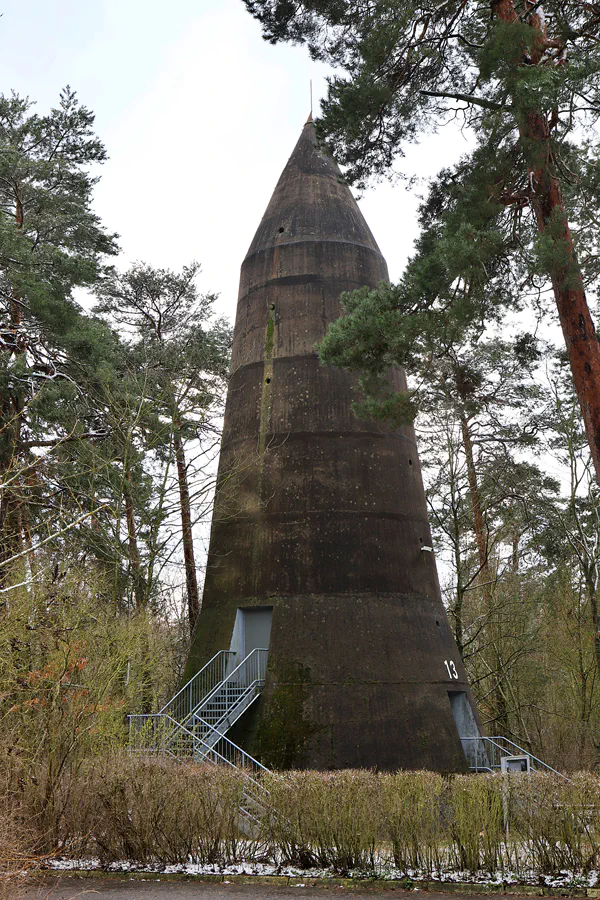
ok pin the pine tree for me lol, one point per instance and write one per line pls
(526, 79)
(50, 242)
(184, 357)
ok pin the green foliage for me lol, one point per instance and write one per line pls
(519, 212)
(170, 398)
(174, 341)
(407, 65)
(51, 353)
(83, 411)
(50, 238)
(396, 408)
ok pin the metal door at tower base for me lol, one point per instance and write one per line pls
(252, 630)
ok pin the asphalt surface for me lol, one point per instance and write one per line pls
(72, 888)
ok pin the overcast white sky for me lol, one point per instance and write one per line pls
(199, 116)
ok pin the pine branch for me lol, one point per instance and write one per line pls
(467, 98)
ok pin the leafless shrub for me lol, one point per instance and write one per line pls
(329, 819)
(476, 822)
(411, 806)
(18, 844)
(155, 810)
(159, 811)
(556, 822)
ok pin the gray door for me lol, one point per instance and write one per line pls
(257, 628)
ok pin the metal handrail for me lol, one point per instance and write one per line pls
(248, 695)
(244, 763)
(233, 756)
(159, 744)
(147, 731)
(194, 691)
(504, 746)
(237, 751)
(256, 661)
(163, 733)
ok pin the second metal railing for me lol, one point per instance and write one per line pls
(486, 754)
(186, 700)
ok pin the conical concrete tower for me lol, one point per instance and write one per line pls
(320, 530)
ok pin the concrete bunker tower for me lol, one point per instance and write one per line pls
(316, 550)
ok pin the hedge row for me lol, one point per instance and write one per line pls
(159, 811)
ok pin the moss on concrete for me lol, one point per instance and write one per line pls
(270, 335)
(285, 728)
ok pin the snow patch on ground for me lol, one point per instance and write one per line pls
(564, 879)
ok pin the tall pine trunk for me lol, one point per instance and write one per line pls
(191, 580)
(11, 418)
(548, 205)
(135, 560)
(10, 496)
(481, 539)
(592, 592)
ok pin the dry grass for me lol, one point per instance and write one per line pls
(158, 811)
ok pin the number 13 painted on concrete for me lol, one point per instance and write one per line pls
(452, 673)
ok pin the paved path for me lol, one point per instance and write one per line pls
(73, 888)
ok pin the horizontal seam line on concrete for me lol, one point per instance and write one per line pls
(298, 356)
(292, 435)
(301, 515)
(309, 240)
(301, 280)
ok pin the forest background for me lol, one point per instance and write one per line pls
(112, 382)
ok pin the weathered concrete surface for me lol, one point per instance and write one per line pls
(321, 515)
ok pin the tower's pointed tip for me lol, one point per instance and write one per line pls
(310, 202)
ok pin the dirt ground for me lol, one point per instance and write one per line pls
(68, 887)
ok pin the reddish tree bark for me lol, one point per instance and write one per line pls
(547, 203)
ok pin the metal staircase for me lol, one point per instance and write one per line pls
(205, 708)
(227, 701)
(193, 724)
